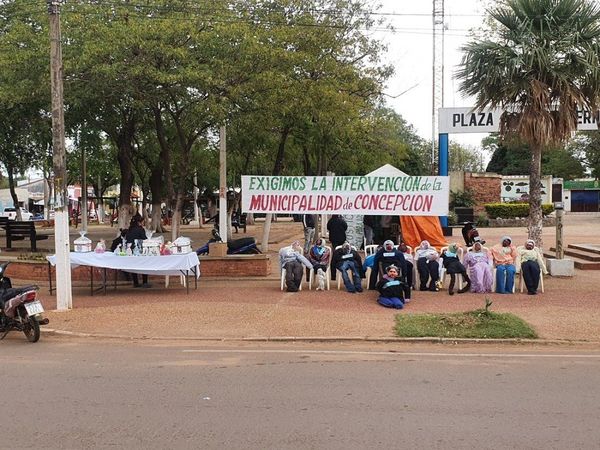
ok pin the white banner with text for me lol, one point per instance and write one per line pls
(376, 195)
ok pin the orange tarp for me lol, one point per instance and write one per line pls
(420, 228)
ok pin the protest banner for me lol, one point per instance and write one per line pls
(376, 195)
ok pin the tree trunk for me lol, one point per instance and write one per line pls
(264, 244)
(13, 193)
(176, 220)
(156, 182)
(124, 158)
(535, 196)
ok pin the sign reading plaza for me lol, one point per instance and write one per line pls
(469, 120)
(376, 195)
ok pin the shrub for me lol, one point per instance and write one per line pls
(482, 220)
(461, 199)
(452, 218)
(512, 210)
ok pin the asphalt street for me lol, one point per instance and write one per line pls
(73, 393)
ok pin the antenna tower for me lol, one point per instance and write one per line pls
(437, 98)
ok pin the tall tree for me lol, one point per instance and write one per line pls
(540, 63)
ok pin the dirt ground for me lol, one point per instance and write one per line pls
(250, 308)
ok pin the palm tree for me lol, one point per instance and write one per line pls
(540, 64)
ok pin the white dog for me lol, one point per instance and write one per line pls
(320, 280)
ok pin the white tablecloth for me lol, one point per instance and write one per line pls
(151, 265)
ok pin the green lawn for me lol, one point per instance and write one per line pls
(478, 324)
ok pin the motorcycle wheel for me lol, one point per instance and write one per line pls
(31, 330)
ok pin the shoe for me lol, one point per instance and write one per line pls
(434, 289)
(531, 293)
(451, 292)
(423, 288)
(406, 300)
(146, 285)
(464, 289)
(137, 285)
(359, 289)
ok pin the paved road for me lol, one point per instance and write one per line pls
(66, 393)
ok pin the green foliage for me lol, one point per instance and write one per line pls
(482, 220)
(464, 198)
(452, 218)
(478, 324)
(513, 157)
(465, 158)
(513, 210)
(539, 61)
(586, 145)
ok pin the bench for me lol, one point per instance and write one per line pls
(16, 231)
(3, 222)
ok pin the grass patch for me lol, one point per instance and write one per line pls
(477, 324)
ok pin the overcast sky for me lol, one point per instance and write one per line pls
(410, 50)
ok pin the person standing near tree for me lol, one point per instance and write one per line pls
(309, 223)
(337, 227)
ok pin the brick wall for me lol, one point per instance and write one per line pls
(229, 266)
(486, 187)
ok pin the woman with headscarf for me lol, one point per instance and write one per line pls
(453, 267)
(479, 263)
(427, 266)
(504, 255)
(531, 262)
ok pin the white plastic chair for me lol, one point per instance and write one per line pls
(283, 272)
(522, 280)
(327, 274)
(460, 254)
(339, 278)
(416, 276)
(494, 282)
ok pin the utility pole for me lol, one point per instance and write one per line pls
(437, 94)
(84, 197)
(223, 223)
(64, 298)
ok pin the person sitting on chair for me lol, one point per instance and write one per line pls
(504, 255)
(384, 257)
(319, 256)
(346, 258)
(427, 266)
(530, 262)
(293, 261)
(479, 263)
(390, 289)
(453, 267)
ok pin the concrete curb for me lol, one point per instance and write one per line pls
(381, 339)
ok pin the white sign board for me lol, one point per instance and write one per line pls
(376, 195)
(468, 120)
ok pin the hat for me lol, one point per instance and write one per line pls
(530, 241)
(453, 248)
(388, 245)
(504, 238)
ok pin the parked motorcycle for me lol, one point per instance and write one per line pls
(20, 310)
(243, 246)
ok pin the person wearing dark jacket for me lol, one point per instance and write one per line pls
(346, 258)
(390, 289)
(337, 226)
(386, 256)
(136, 231)
(453, 267)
